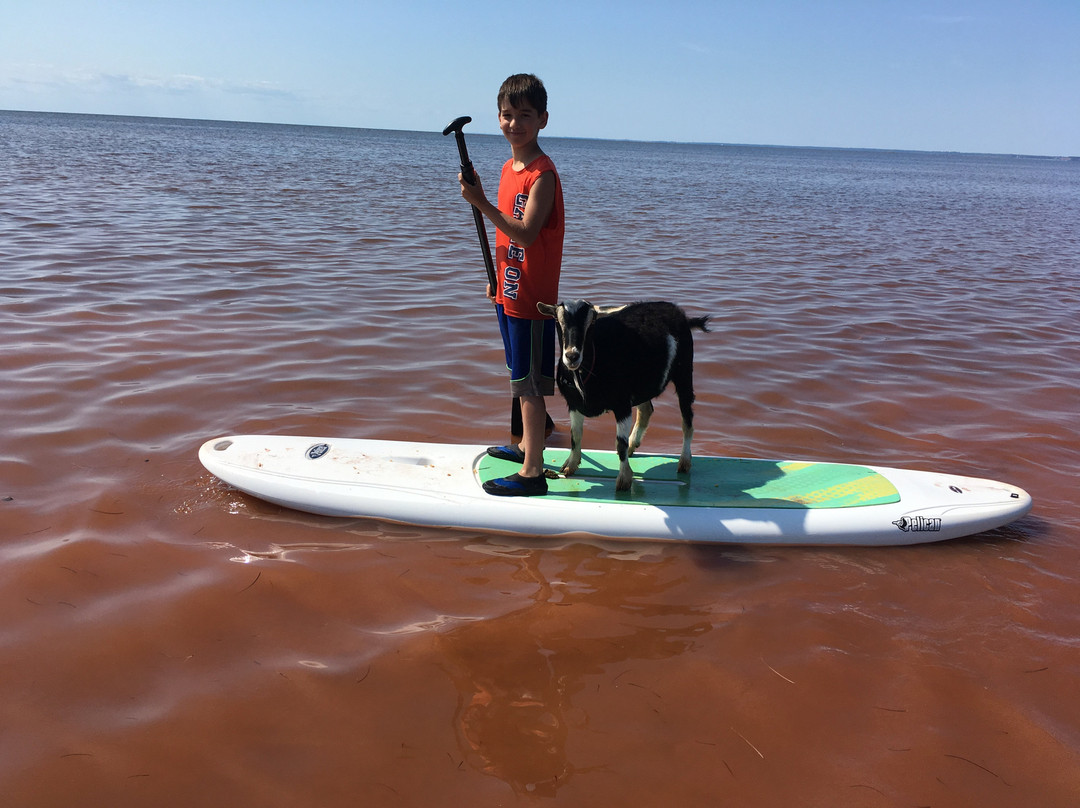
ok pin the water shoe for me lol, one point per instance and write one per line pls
(517, 486)
(511, 453)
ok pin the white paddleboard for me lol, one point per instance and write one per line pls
(723, 500)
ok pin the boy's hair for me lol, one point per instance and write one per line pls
(524, 87)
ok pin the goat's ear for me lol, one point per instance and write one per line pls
(605, 310)
(546, 309)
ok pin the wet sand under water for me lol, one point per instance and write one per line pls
(167, 641)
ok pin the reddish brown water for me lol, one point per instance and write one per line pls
(167, 641)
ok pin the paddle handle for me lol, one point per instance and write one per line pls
(468, 173)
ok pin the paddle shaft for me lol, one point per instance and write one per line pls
(469, 175)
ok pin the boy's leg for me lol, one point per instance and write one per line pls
(517, 430)
(533, 413)
(531, 378)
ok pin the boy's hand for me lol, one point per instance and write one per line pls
(473, 194)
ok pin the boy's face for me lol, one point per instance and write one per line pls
(520, 125)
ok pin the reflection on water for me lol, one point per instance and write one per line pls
(517, 675)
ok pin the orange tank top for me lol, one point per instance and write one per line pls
(527, 276)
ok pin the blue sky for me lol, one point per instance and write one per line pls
(941, 75)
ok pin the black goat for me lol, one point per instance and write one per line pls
(619, 359)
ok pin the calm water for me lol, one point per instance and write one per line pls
(167, 641)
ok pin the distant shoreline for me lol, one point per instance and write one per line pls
(691, 143)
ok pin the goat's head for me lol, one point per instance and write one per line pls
(572, 319)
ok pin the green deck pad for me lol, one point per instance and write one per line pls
(714, 482)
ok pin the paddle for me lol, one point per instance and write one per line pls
(469, 175)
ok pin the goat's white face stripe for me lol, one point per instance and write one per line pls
(569, 346)
(561, 314)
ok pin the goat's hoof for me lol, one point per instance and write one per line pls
(623, 484)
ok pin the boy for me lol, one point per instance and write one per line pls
(528, 259)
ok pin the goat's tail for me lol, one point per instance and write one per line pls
(700, 323)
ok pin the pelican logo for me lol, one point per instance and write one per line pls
(918, 524)
(318, 450)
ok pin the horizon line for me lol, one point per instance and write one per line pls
(956, 152)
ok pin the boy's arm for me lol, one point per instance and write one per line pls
(537, 210)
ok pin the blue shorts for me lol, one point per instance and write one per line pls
(530, 354)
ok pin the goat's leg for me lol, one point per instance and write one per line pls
(684, 458)
(686, 401)
(623, 423)
(641, 423)
(577, 425)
